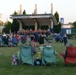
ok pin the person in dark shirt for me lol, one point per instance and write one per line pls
(6, 40)
(65, 39)
(23, 39)
(41, 39)
(36, 36)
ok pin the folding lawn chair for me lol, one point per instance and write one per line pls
(25, 55)
(70, 55)
(49, 56)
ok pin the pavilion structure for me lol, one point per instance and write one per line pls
(36, 20)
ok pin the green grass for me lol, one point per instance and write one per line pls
(7, 69)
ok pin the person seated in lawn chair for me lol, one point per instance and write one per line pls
(17, 37)
(11, 44)
(49, 44)
(57, 38)
(49, 55)
(14, 41)
(33, 45)
(65, 53)
(6, 40)
(26, 55)
(69, 55)
(23, 39)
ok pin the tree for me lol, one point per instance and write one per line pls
(15, 24)
(1, 23)
(74, 24)
(15, 13)
(57, 16)
(24, 12)
(57, 28)
(7, 27)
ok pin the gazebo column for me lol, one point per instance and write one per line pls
(35, 24)
(20, 25)
(51, 24)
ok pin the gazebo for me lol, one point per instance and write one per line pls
(36, 20)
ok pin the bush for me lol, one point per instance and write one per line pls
(71, 36)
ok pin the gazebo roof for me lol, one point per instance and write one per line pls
(28, 19)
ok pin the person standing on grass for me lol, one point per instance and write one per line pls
(41, 39)
(65, 40)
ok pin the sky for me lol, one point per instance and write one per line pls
(65, 8)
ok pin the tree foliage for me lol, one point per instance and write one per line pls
(57, 28)
(56, 16)
(7, 27)
(15, 26)
(1, 23)
(24, 12)
(74, 23)
(15, 13)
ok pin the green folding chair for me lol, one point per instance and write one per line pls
(48, 56)
(25, 55)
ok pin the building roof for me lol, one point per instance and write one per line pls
(42, 19)
(67, 26)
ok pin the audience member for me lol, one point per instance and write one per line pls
(68, 45)
(65, 39)
(14, 41)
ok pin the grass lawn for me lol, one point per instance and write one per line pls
(7, 69)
